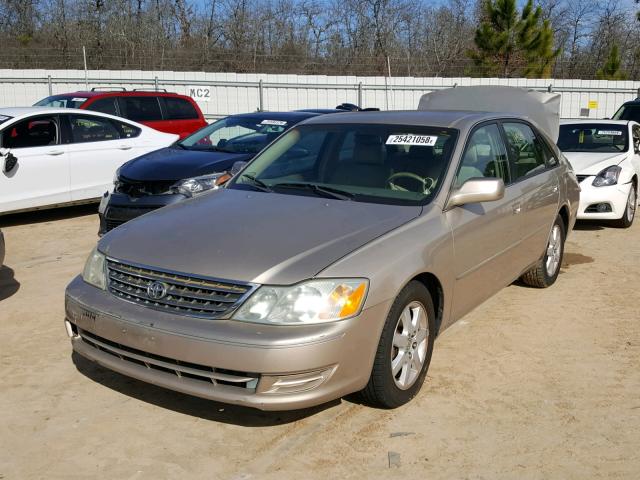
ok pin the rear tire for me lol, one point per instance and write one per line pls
(630, 210)
(405, 348)
(545, 272)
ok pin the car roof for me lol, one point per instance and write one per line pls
(121, 93)
(632, 102)
(428, 118)
(21, 112)
(594, 120)
(288, 116)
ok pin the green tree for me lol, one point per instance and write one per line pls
(611, 68)
(507, 42)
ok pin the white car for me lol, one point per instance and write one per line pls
(605, 155)
(53, 156)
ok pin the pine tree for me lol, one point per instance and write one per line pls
(507, 42)
(611, 68)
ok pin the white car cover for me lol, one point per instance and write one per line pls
(542, 108)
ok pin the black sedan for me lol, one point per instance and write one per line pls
(191, 166)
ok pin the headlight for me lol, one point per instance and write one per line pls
(608, 176)
(94, 271)
(196, 185)
(314, 301)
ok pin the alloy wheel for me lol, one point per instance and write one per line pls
(409, 346)
(554, 251)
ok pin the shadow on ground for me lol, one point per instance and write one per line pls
(189, 405)
(8, 284)
(42, 216)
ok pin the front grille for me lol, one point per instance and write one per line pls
(582, 177)
(142, 189)
(116, 216)
(185, 370)
(178, 293)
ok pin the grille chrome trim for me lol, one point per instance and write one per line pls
(180, 369)
(189, 295)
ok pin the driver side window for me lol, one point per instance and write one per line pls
(33, 132)
(484, 157)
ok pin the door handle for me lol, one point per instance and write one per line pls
(55, 152)
(517, 208)
(125, 147)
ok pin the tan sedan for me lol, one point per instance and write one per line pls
(330, 263)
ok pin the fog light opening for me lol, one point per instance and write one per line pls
(72, 330)
(296, 383)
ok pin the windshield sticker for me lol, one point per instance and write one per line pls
(408, 139)
(280, 123)
(609, 132)
(78, 99)
(3, 118)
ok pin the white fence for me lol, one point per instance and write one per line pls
(235, 93)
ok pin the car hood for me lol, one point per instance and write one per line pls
(266, 238)
(592, 163)
(175, 163)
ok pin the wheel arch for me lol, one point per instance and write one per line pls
(564, 214)
(434, 286)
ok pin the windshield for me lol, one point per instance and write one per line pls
(396, 164)
(61, 101)
(593, 137)
(628, 112)
(4, 118)
(236, 135)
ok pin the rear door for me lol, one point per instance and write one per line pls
(486, 235)
(536, 186)
(182, 115)
(145, 110)
(97, 147)
(41, 175)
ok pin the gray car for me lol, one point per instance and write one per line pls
(330, 263)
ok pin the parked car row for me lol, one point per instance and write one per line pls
(302, 256)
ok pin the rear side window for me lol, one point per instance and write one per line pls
(140, 109)
(126, 130)
(526, 152)
(92, 129)
(104, 105)
(484, 157)
(180, 109)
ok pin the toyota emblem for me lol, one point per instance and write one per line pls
(157, 290)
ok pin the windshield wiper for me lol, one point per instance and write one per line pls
(320, 190)
(256, 183)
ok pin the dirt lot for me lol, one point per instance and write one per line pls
(533, 384)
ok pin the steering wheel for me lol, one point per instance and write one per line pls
(426, 182)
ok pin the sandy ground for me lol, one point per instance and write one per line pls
(533, 384)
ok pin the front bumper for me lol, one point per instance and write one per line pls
(613, 198)
(260, 366)
(118, 208)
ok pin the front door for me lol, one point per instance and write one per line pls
(484, 234)
(41, 175)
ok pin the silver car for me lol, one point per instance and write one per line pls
(330, 263)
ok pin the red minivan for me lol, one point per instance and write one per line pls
(164, 111)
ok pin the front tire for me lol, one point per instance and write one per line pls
(405, 349)
(545, 272)
(630, 210)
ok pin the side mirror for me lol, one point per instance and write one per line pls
(10, 162)
(236, 167)
(477, 190)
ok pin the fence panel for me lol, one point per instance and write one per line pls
(236, 93)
